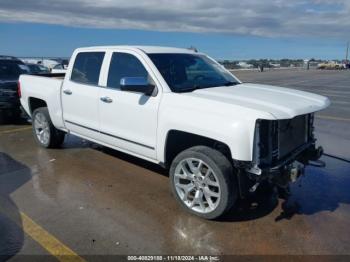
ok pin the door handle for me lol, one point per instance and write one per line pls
(106, 99)
(67, 92)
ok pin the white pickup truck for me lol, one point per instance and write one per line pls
(219, 138)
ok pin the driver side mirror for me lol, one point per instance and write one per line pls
(136, 84)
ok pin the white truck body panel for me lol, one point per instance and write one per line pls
(81, 107)
(47, 89)
(282, 103)
(139, 124)
(133, 117)
(233, 110)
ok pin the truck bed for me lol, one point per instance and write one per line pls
(45, 88)
(51, 75)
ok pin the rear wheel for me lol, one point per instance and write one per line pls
(44, 131)
(202, 180)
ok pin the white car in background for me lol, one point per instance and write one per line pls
(58, 69)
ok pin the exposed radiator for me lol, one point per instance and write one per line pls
(278, 138)
(292, 134)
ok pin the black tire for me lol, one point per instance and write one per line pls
(56, 137)
(225, 175)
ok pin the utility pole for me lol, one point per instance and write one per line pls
(347, 63)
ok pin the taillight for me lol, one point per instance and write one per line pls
(19, 89)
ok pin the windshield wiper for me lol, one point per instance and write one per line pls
(230, 83)
(190, 89)
(195, 87)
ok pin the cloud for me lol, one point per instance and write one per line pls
(270, 18)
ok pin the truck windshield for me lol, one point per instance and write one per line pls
(187, 72)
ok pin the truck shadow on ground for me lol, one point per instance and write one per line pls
(12, 176)
(131, 159)
(321, 189)
(251, 208)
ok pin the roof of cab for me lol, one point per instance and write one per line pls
(146, 49)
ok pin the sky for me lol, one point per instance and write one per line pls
(225, 29)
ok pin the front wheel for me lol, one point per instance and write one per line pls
(202, 180)
(44, 131)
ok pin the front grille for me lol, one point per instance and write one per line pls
(292, 133)
(279, 138)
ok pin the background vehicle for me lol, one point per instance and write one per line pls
(331, 66)
(38, 69)
(10, 70)
(219, 138)
(59, 68)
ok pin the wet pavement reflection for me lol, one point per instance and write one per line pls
(12, 176)
(100, 201)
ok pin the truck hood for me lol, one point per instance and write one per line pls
(281, 103)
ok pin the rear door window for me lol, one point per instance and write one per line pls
(87, 67)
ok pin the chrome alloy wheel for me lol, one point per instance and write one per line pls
(197, 185)
(42, 128)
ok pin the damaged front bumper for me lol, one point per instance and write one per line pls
(304, 154)
(281, 174)
(273, 161)
(284, 171)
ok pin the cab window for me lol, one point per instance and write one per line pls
(124, 65)
(87, 67)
